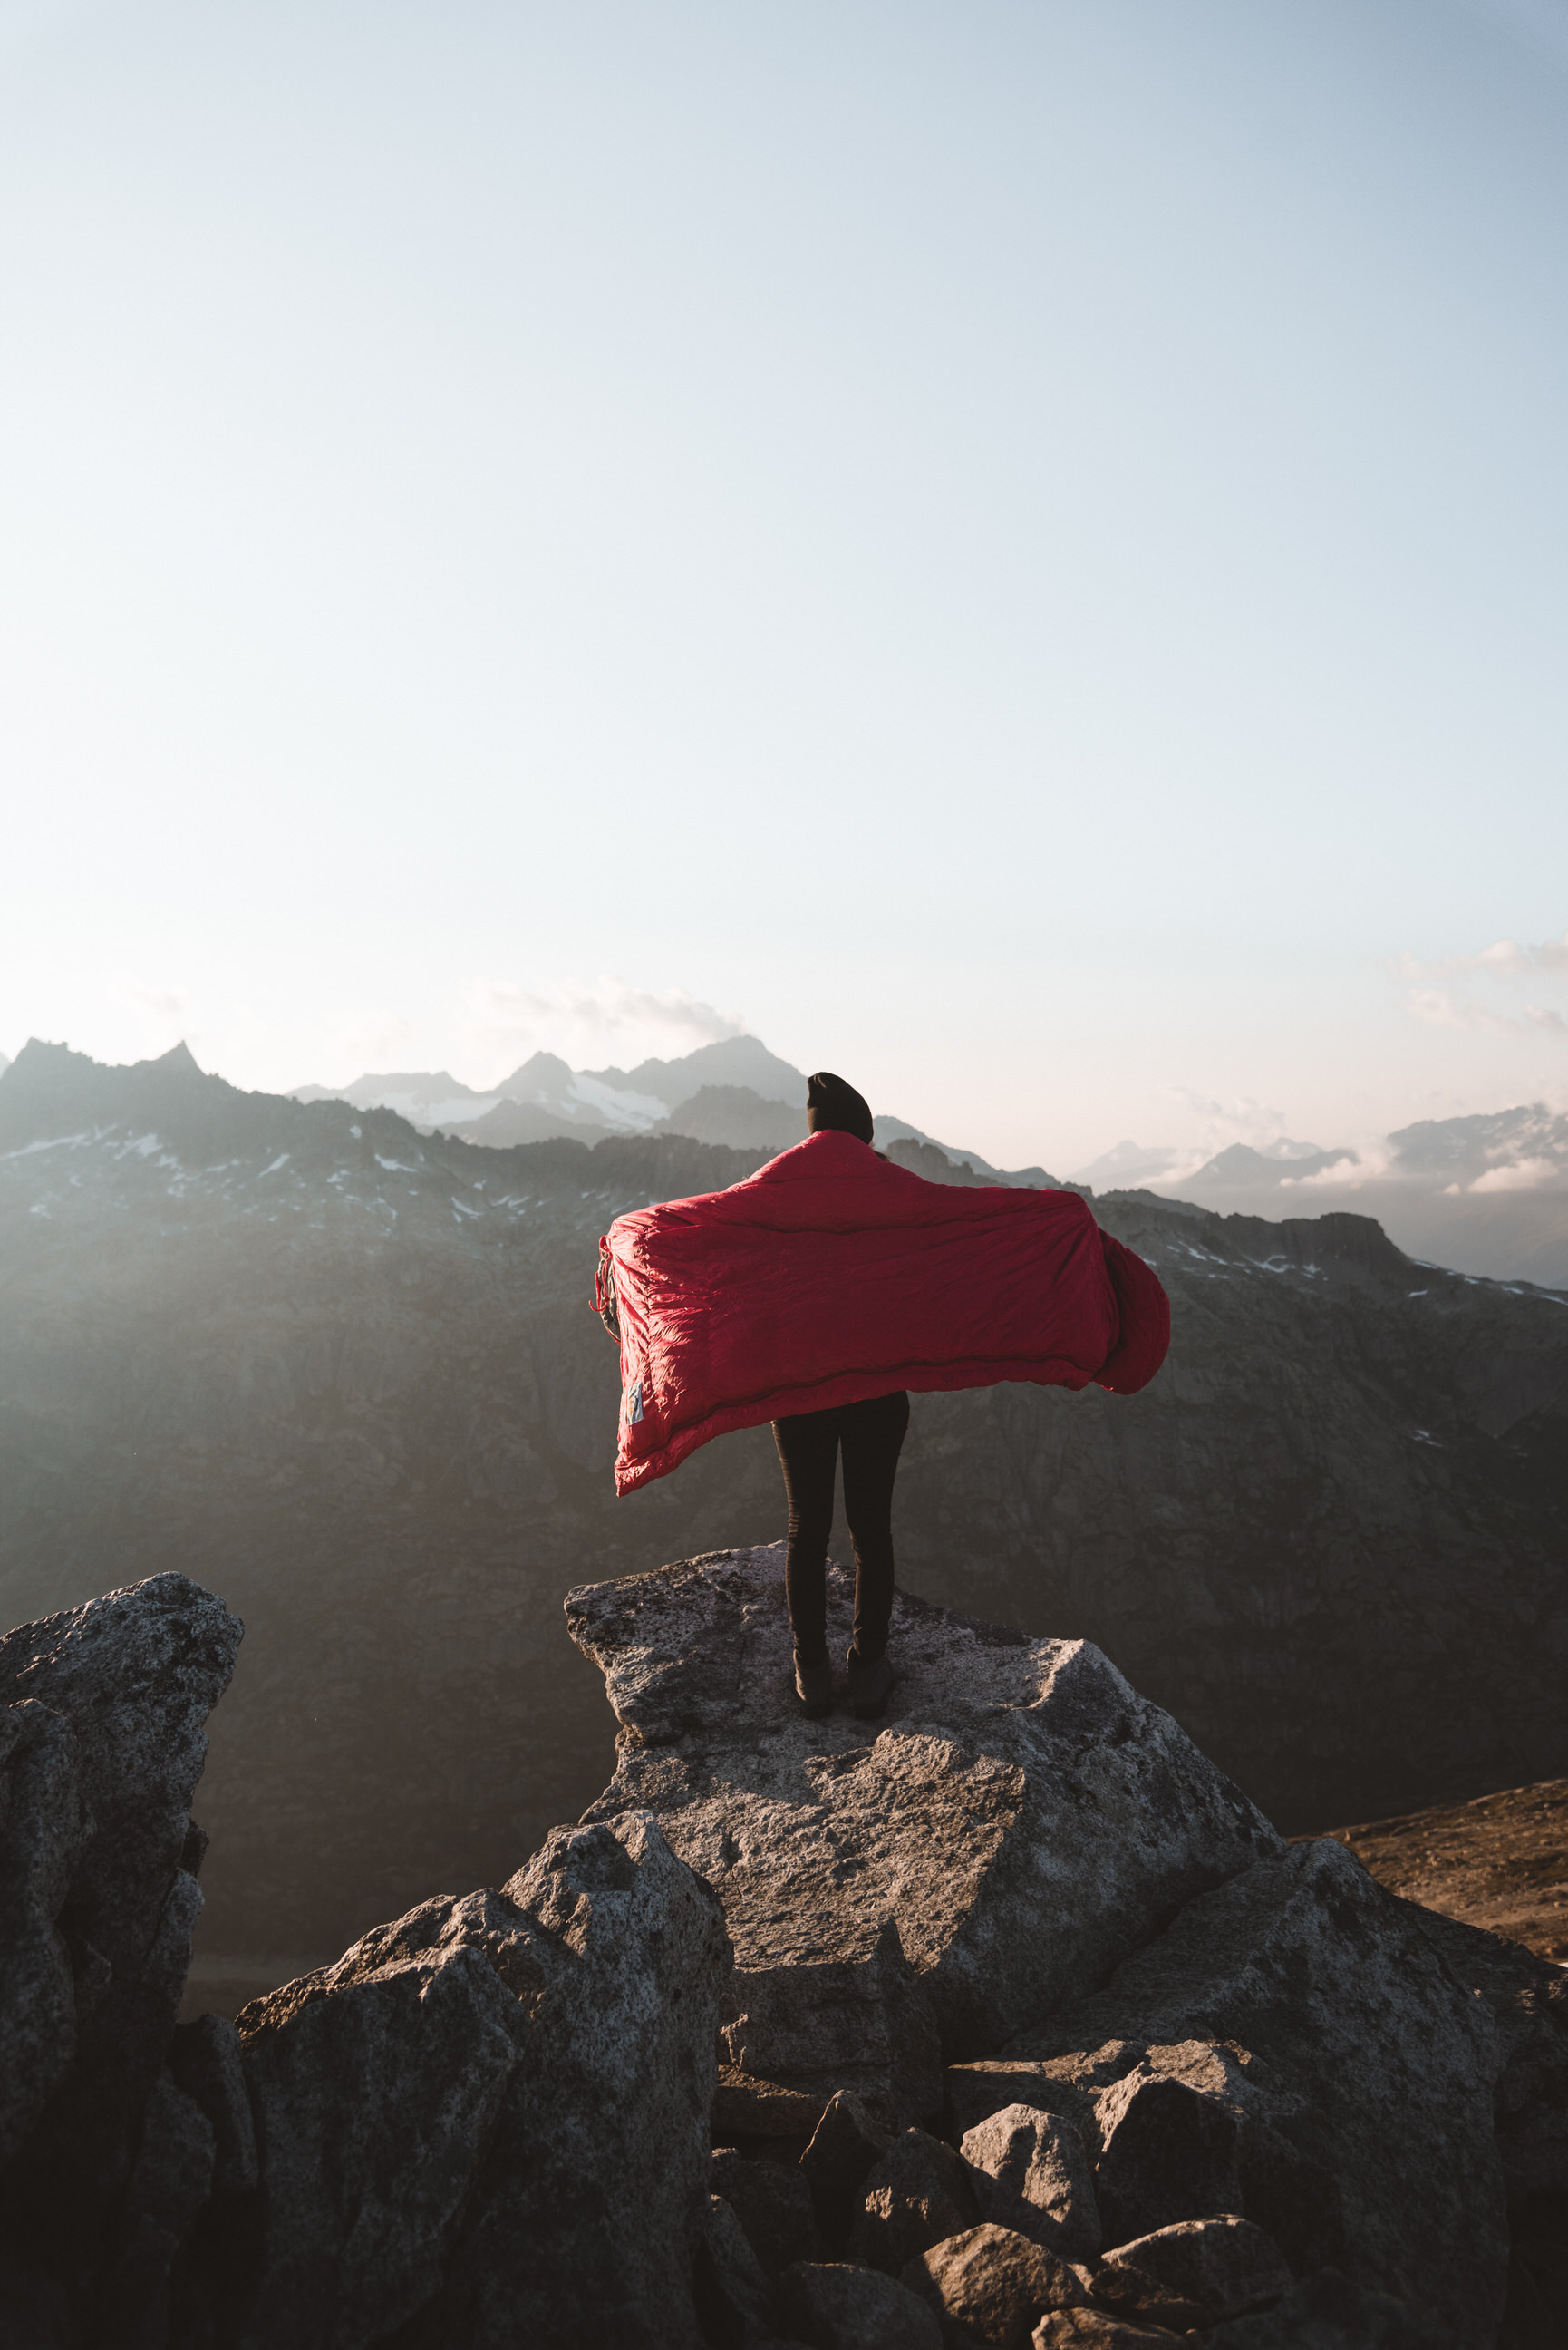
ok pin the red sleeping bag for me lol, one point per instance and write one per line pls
(830, 1275)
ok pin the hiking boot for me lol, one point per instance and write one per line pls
(869, 1686)
(813, 1687)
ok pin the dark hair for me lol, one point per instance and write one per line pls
(832, 1103)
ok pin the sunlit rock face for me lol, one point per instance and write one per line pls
(910, 1891)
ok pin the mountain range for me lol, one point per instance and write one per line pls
(346, 1374)
(735, 1092)
(546, 1097)
(1484, 1194)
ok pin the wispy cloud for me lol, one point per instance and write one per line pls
(610, 1022)
(1506, 959)
(1362, 1166)
(1480, 991)
(1438, 1007)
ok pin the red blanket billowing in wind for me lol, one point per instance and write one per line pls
(830, 1275)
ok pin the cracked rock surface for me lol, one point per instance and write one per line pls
(912, 1891)
(488, 2123)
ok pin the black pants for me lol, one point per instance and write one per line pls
(870, 1434)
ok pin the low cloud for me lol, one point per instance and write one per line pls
(1524, 1175)
(610, 1023)
(1362, 1166)
(1552, 1022)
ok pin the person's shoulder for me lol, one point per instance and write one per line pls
(823, 1154)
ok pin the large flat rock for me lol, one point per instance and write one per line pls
(914, 1890)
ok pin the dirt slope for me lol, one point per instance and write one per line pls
(1501, 1861)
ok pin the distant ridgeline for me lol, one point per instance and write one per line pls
(735, 1092)
(346, 1375)
(1482, 1194)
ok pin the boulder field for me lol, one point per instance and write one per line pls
(1006, 2019)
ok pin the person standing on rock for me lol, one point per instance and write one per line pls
(870, 1436)
(816, 1294)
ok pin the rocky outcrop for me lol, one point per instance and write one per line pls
(1216, 2106)
(1258, 2102)
(1349, 2017)
(46, 1826)
(903, 1894)
(103, 1741)
(489, 2124)
(1527, 1998)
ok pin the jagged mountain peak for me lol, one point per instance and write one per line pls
(1240, 1163)
(733, 1092)
(540, 1068)
(51, 1086)
(729, 1061)
(52, 1093)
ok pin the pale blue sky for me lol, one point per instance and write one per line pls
(1017, 551)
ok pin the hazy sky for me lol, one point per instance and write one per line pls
(1017, 551)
